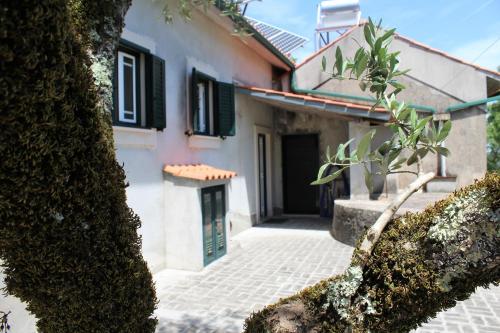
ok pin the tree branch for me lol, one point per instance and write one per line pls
(376, 229)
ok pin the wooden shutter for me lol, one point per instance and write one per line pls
(225, 109)
(159, 117)
(195, 107)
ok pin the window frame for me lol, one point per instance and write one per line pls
(210, 101)
(119, 118)
(208, 107)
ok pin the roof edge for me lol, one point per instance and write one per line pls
(259, 38)
(407, 40)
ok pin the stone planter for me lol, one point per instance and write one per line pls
(350, 220)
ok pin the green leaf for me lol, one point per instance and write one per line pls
(368, 179)
(363, 85)
(442, 151)
(422, 152)
(322, 170)
(423, 122)
(399, 163)
(361, 65)
(323, 63)
(413, 158)
(368, 35)
(339, 61)
(364, 144)
(445, 130)
(328, 178)
(328, 156)
(388, 34)
(413, 118)
(341, 150)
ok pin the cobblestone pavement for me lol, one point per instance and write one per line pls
(273, 261)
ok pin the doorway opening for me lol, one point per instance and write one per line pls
(300, 168)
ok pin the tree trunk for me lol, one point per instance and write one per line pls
(422, 264)
(68, 240)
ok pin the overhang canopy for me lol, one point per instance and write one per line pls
(321, 106)
(198, 172)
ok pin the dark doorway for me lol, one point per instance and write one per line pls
(300, 168)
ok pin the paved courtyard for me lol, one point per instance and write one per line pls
(276, 260)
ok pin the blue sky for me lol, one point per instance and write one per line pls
(464, 28)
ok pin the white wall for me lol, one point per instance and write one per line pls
(206, 45)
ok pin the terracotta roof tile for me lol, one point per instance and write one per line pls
(198, 172)
(313, 99)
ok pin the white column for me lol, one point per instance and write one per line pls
(357, 179)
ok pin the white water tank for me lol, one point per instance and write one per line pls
(338, 14)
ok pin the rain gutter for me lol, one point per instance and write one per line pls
(298, 90)
(462, 106)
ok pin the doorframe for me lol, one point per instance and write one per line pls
(268, 133)
(283, 167)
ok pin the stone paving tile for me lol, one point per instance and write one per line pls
(276, 260)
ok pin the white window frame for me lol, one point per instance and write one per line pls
(121, 88)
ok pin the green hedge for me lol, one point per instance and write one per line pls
(68, 241)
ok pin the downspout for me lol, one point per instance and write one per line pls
(298, 90)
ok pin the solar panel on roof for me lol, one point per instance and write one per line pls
(283, 40)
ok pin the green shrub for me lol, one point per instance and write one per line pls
(68, 241)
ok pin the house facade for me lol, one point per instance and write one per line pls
(190, 152)
(219, 132)
(438, 84)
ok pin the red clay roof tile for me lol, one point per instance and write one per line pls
(198, 172)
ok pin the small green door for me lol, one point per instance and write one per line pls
(214, 224)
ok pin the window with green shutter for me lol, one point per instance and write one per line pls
(212, 106)
(139, 88)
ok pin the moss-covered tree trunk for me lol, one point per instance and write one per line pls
(423, 263)
(68, 240)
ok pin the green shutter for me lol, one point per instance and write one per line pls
(226, 109)
(195, 108)
(159, 117)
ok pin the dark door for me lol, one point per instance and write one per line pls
(214, 224)
(300, 168)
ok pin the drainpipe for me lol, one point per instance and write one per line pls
(462, 106)
(298, 90)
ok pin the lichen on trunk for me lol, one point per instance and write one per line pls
(68, 241)
(423, 263)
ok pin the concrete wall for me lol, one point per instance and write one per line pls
(203, 44)
(457, 79)
(467, 142)
(435, 81)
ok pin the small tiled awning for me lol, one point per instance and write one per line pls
(198, 172)
(302, 102)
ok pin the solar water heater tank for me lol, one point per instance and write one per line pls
(338, 14)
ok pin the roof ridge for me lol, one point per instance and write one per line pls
(324, 48)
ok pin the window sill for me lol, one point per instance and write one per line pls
(204, 142)
(131, 137)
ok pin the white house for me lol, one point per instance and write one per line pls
(216, 134)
